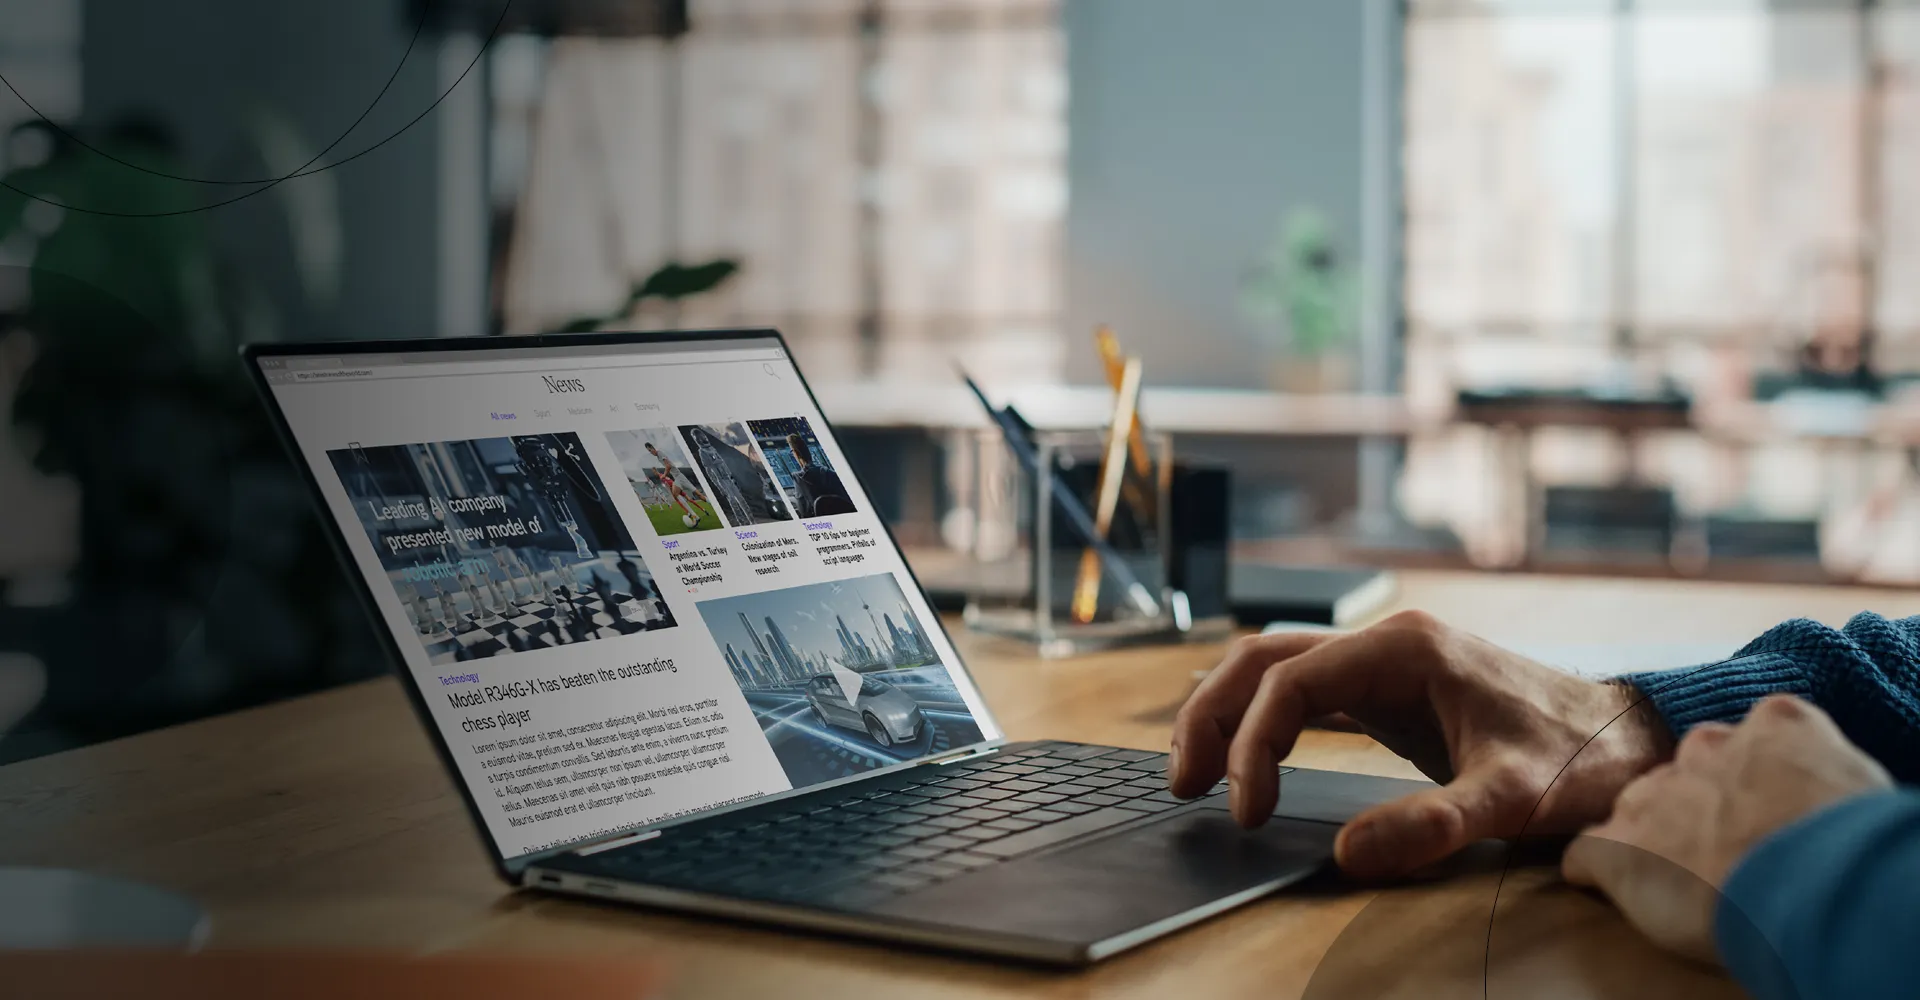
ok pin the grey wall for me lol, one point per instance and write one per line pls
(204, 66)
(1194, 126)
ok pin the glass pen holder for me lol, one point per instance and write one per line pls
(1076, 600)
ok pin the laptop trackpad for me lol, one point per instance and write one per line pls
(1093, 891)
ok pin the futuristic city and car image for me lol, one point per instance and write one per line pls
(841, 676)
(868, 704)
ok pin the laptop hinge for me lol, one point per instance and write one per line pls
(617, 840)
(961, 755)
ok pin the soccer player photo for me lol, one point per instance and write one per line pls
(742, 486)
(500, 545)
(812, 487)
(657, 468)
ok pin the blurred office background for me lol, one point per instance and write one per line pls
(1601, 286)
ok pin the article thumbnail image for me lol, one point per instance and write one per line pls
(664, 481)
(841, 676)
(500, 545)
(741, 484)
(811, 483)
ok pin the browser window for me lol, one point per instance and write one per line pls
(632, 582)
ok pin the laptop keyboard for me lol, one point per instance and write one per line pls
(901, 833)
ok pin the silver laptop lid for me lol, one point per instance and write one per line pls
(627, 577)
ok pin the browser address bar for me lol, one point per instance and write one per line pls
(604, 363)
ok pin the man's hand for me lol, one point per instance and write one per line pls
(1493, 727)
(1676, 833)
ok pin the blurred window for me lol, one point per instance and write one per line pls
(1895, 117)
(1512, 130)
(887, 172)
(1644, 171)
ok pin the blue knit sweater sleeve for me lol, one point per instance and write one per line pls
(1866, 676)
(1824, 908)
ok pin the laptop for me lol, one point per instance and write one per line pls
(667, 648)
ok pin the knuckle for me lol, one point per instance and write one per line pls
(1780, 708)
(1641, 789)
(1278, 647)
(1694, 748)
(1246, 646)
(1418, 635)
(1272, 676)
(1251, 653)
(1255, 734)
(1198, 721)
(1415, 620)
(1702, 737)
(1512, 792)
(1594, 856)
(1439, 820)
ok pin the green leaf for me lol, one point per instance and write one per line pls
(678, 281)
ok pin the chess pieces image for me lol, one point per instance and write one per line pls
(604, 592)
(504, 558)
(496, 546)
(579, 541)
(631, 571)
(416, 613)
(442, 606)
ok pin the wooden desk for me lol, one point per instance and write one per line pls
(326, 822)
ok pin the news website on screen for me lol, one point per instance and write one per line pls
(632, 583)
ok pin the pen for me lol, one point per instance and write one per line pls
(1020, 441)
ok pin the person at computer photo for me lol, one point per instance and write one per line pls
(1743, 812)
(818, 487)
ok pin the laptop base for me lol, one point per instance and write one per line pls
(1091, 895)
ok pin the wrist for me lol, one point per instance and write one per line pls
(1643, 736)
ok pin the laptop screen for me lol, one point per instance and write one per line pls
(632, 581)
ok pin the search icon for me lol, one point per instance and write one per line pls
(768, 368)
